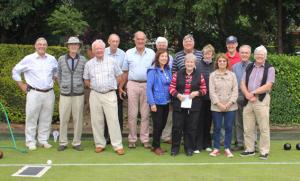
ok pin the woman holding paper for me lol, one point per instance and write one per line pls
(158, 97)
(187, 86)
(223, 92)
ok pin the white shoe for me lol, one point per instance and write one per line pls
(31, 147)
(46, 145)
(196, 151)
(208, 149)
(228, 153)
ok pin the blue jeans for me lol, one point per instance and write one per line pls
(228, 124)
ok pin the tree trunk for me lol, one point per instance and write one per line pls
(279, 27)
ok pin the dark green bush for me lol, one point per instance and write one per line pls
(285, 103)
(10, 95)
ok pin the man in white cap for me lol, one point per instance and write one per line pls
(39, 70)
(70, 79)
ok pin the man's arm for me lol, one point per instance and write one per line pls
(123, 80)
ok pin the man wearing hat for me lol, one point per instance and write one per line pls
(70, 79)
(232, 54)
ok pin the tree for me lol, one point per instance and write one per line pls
(67, 21)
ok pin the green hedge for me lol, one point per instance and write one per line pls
(11, 96)
(285, 104)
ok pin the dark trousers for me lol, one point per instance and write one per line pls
(203, 138)
(184, 122)
(120, 116)
(159, 122)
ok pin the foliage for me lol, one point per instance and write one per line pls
(67, 21)
(285, 104)
(12, 97)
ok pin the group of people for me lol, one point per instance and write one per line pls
(229, 93)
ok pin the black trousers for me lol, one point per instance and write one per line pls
(120, 116)
(159, 122)
(203, 138)
(184, 122)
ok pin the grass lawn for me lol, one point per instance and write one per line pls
(141, 164)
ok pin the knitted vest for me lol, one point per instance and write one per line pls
(263, 81)
(180, 85)
(71, 81)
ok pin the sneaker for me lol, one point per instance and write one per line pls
(31, 147)
(196, 151)
(264, 156)
(238, 148)
(45, 145)
(131, 145)
(208, 149)
(215, 153)
(62, 147)
(147, 145)
(247, 153)
(228, 153)
(78, 148)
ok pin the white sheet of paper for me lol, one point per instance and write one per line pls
(187, 102)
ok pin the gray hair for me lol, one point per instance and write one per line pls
(161, 39)
(245, 46)
(98, 41)
(262, 49)
(190, 56)
(188, 36)
(41, 39)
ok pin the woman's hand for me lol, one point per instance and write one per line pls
(153, 108)
(180, 97)
(221, 106)
(194, 94)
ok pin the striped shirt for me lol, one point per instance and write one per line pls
(178, 62)
(188, 82)
(102, 74)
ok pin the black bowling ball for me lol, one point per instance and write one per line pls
(287, 146)
(298, 146)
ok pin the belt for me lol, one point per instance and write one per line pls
(139, 81)
(40, 90)
(103, 92)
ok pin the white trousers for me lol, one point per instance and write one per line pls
(39, 111)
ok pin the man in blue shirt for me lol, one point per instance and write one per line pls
(238, 69)
(135, 66)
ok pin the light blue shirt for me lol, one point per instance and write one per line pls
(118, 57)
(38, 71)
(137, 64)
(239, 68)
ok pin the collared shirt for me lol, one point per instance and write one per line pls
(38, 71)
(239, 69)
(72, 61)
(102, 74)
(256, 76)
(118, 56)
(233, 60)
(178, 62)
(137, 64)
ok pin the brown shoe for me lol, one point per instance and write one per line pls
(157, 151)
(131, 145)
(120, 151)
(168, 142)
(147, 145)
(99, 149)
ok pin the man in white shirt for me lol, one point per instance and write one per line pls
(39, 70)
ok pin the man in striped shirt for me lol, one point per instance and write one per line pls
(188, 47)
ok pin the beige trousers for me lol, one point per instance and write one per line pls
(68, 105)
(105, 105)
(257, 112)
